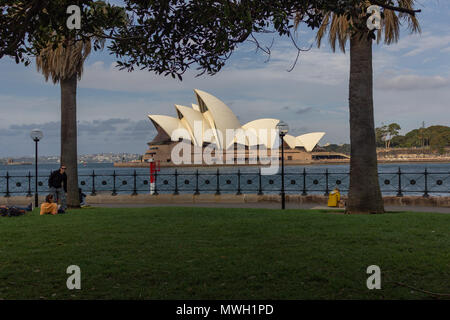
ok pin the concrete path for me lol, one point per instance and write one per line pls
(270, 205)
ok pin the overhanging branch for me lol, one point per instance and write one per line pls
(394, 8)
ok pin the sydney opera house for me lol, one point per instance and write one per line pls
(211, 124)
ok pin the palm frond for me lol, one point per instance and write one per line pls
(64, 61)
(333, 32)
(338, 27)
(322, 29)
(413, 23)
(391, 26)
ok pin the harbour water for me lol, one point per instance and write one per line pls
(314, 179)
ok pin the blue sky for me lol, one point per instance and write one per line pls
(411, 85)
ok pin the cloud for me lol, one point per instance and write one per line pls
(314, 66)
(304, 110)
(416, 44)
(410, 107)
(109, 135)
(411, 82)
(37, 109)
(113, 104)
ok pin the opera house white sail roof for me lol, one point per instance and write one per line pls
(210, 119)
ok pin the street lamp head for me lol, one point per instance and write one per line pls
(36, 135)
(282, 128)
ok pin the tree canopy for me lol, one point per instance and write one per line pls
(434, 137)
(27, 27)
(164, 36)
(386, 133)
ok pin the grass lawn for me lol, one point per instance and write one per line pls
(218, 253)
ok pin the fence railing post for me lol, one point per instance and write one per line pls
(260, 191)
(197, 191)
(425, 194)
(29, 184)
(399, 190)
(239, 183)
(304, 193)
(114, 192)
(176, 183)
(155, 193)
(7, 195)
(27, 179)
(93, 193)
(218, 182)
(134, 184)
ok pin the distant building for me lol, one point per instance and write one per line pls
(207, 123)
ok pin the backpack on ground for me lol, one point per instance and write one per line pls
(11, 212)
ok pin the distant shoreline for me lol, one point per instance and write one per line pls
(445, 160)
(291, 163)
(312, 163)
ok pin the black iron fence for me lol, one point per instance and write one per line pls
(397, 183)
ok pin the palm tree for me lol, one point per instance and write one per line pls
(364, 194)
(64, 64)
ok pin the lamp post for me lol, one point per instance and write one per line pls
(283, 129)
(36, 135)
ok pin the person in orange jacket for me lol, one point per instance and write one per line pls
(334, 198)
(49, 207)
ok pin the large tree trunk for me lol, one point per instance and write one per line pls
(69, 138)
(364, 195)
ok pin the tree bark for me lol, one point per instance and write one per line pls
(69, 138)
(364, 195)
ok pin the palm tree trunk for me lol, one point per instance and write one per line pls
(69, 138)
(364, 195)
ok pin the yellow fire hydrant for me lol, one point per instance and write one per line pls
(334, 198)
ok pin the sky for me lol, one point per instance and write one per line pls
(411, 86)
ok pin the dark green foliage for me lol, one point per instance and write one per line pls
(165, 36)
(28, 26)
(436, 137)
(343, 148)
(386, 133)
(171, 36)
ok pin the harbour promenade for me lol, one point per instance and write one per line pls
(404, 187)
(269, 201)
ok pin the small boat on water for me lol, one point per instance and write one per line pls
(11, 162)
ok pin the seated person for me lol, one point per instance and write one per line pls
(334, 198)
(49, 207)
(82, 197)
